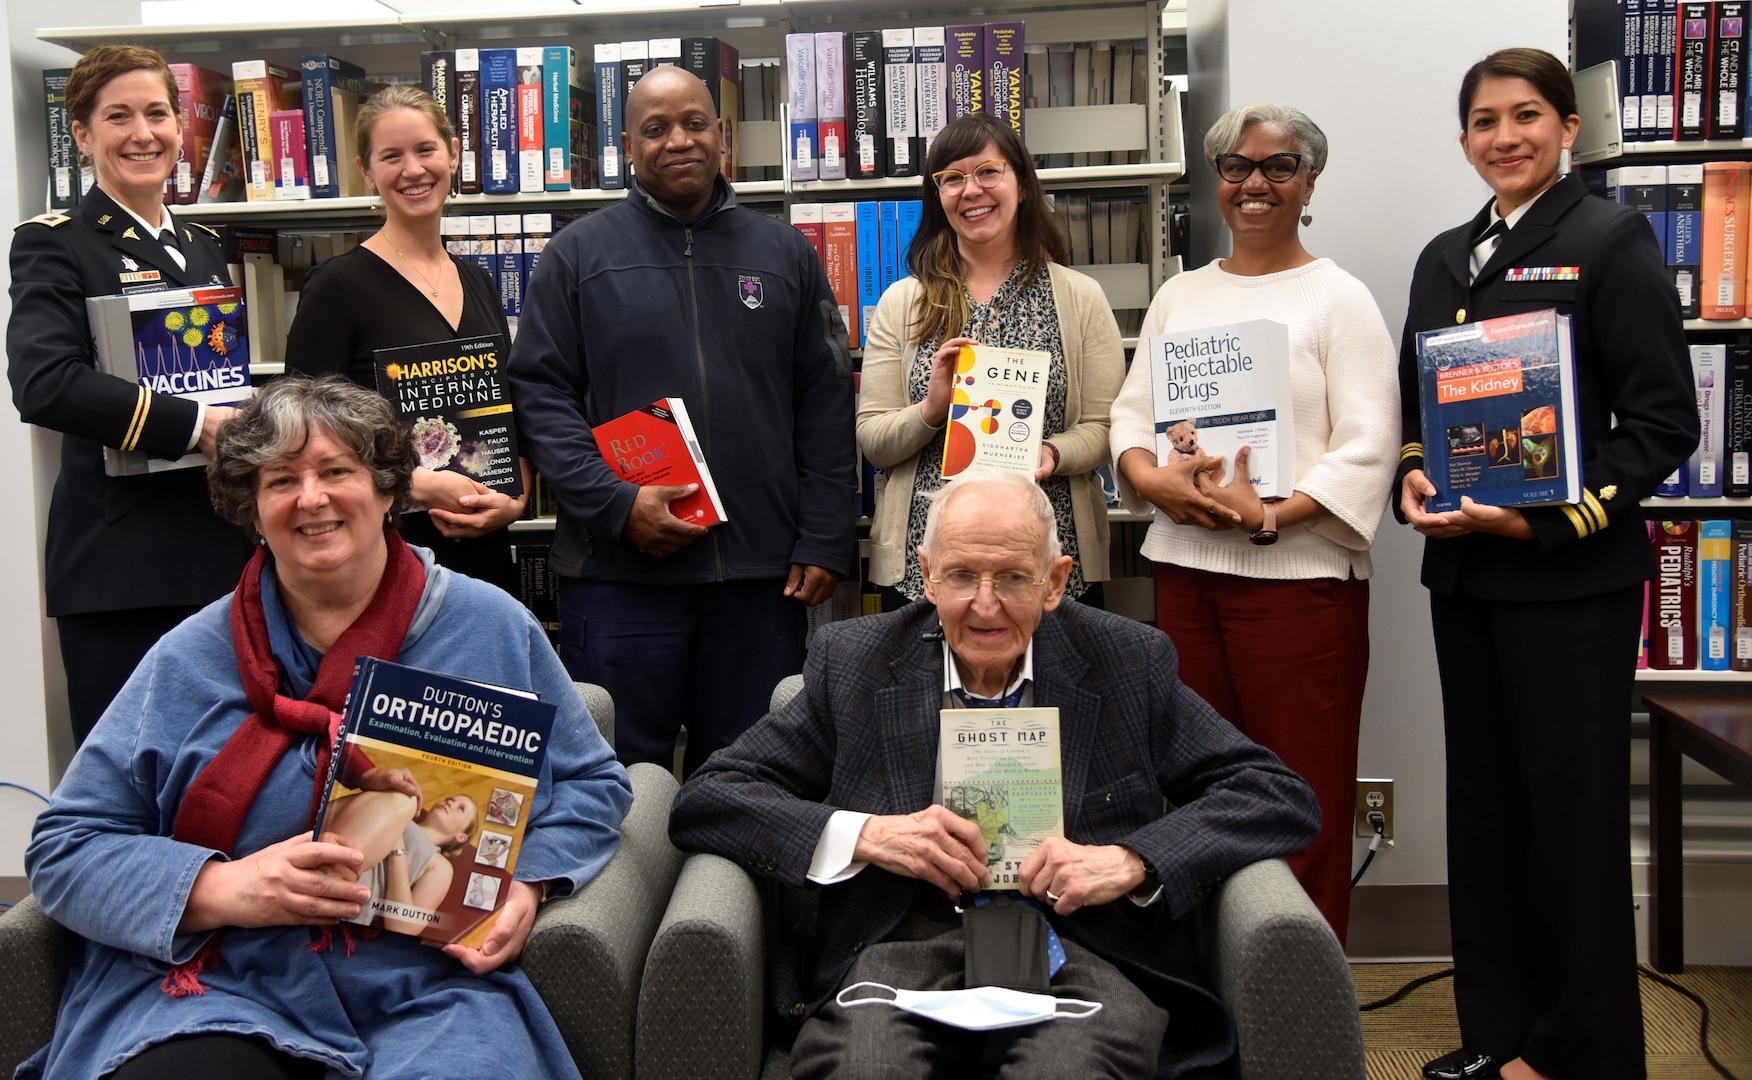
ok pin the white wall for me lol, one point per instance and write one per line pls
(1380, 80)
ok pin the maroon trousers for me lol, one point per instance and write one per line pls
(1284, 661)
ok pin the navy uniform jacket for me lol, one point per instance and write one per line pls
(862, 736)
(1631, 363)
(123, 542)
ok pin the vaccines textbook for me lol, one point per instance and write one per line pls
(477, 752)
(1499, 411)
(187, 343)
(456, 397)
(1219, 388)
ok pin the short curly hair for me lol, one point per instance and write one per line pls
(277, 424)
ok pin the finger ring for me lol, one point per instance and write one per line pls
(1052, 896)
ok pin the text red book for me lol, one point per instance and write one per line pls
(656, 445)
(291, 159)
(200, 95)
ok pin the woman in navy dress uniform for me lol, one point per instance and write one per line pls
(1536, 610)
(128, 557)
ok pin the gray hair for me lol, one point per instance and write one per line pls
(985, 477)
(277, 424)
(1226, 134)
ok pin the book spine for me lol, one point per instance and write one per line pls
(63, 154)
(907, 215)
(508, 266)
(468, 121)
(840, 255)
(900, 81)
(869, 269)
(803, 140)
(808, 219)
(499, 121)
(1673, 597)
(1727, 104)
(559, 75)
(830, 102)
(538, 229)
(1631, 68)
(1005, 70)
(320, 125)
(664, 51)
(200, 96)
(690, 438)
(1642, 641)
(729, 83)
(291, 156)
(868, 134)
(438, 78)
(1726, 189)
(608, 117)
(966, 75)
(887, 233)
(635, 61)
(699, 56)
(1709, 365)
(1693, 75)
(1715, 556)
(483, 248)
(1662, 44)
(1741, 585)
(223, 162)
(256, 100)
(1644, 188)
(929, 56)
(531, 128)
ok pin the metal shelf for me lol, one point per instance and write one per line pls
(1741, 325)
(1654, 675)
(1658, 502)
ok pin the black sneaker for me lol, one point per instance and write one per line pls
(1462, 1064)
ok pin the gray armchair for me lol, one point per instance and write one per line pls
(585, 956)
(1271, 957)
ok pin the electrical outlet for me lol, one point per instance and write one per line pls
(1373, 795)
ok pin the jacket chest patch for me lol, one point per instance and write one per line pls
(1543, 273)
(749, 291)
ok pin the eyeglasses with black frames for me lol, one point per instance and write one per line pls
(1010, 586)
(1277, 168)
(986, 175)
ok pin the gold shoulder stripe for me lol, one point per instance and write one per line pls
(1594, 507)
(51, 220)
(1575, 519)
(214, 233)
(142, 405)
(1411, 450)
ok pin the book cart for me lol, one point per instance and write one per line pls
(391, 45)
(1705, 715)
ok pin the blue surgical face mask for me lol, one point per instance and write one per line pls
(977, 1008)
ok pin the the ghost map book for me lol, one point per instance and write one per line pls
(455, 395)
(438, 866)
(186, 343)
(1001, 771)
(1499, 412)
(996, 410)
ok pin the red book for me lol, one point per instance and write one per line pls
(200, 95)
(809, 219)
(291, 160)
(1673, 597)
(657, 445)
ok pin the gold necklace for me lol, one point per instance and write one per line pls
(415, 267)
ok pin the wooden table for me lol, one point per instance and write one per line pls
(1715, 730)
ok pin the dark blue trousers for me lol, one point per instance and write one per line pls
(703, 657)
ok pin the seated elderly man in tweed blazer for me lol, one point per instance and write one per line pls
(1162, 800)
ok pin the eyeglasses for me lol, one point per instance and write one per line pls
(986, 175)
(1277, 168)
(964, 585)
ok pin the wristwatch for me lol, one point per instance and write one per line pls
(1148, 890)
(1267, 531)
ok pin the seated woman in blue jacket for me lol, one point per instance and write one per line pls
(179, 844)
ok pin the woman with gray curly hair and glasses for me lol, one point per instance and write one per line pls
(179, 844)
(1268, 601)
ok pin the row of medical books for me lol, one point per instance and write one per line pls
(1697, 615)
(866, 104)
(507, 246)
(1698, 212)
(863, 246)
(1681, 66)
(620, 65)
(1722, 463)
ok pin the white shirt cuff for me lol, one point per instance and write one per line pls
(833, 863)
(200, 422)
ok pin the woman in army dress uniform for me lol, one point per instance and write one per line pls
(128, 557)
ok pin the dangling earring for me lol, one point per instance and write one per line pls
(1563, 161)
(1307, 218)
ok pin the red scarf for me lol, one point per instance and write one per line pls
(214, 806)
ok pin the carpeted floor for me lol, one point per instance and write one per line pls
(1398, 1039)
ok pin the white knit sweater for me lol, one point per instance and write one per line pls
(1344, 384)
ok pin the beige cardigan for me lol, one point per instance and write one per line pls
(891, 433)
